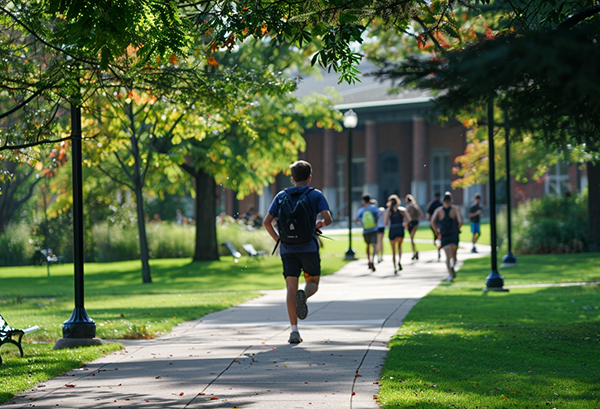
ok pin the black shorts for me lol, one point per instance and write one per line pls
(412, 224)
(452, 239)
(396, 232)
(370, 238)
(295, 263)
(381, 230)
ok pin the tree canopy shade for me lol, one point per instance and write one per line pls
(547, 79)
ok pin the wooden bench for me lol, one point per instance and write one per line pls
(252, 252)
(232, 250)
(9, 335)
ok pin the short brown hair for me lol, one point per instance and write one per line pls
(301, 170)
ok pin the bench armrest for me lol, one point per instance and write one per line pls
(31, 329)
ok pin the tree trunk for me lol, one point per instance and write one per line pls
(138, 184)
(144, 253)
(593, 171)
(206, 226)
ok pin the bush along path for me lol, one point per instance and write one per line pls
(240, 357)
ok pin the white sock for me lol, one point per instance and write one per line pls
(294, 328)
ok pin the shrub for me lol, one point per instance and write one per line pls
(551, 224)
(115, 242)
(166, 240)
(17, 245)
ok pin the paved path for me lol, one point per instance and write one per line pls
(240, 358)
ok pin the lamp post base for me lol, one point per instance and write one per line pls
(510, 260)
(350, 255)
(494, 282)
(79, 325)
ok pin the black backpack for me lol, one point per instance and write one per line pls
(294, 220)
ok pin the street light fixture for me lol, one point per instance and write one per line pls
(350, 122)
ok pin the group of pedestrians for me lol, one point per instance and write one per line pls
(398, 218)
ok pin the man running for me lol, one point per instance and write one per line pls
(446, 221)
(475, 215)
(303, 256)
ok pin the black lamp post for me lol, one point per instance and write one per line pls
(350, 122)
(79, 329)
(510, 259)
(494, 281)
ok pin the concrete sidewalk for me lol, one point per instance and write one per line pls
(240, 358)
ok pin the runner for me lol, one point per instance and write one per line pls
(397, 218)
(474, 215)
(416, 214)
(367, 216)
(300, 251)
(446, 221)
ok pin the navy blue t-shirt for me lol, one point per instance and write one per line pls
(317, 203)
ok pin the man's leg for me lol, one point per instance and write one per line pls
(292, 287)
(312, 285)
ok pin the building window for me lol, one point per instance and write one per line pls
(389, 175)
(557, 179)
(358, 180)
(440, 171)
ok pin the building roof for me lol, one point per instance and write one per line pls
(370, 92)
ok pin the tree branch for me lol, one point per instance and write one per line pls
(577, 18)
(40, 39)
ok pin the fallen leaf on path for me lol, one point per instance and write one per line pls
(69, 385)
(214, 398)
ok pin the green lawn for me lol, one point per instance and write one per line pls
(121, 305)
(531, 347)
(459, 347)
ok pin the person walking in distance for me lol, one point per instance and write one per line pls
(446, 221)
(296, 209)
(415, 214)
(397, 218)
(429, 210)
(475, 215)
(367, 216)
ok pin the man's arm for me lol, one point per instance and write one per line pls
(476, 213)
(268, 223)
(433, 220)
(427, 214)
(327, 219)
(459, 218)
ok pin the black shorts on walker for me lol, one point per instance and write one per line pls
(295, 263)
(370, 238)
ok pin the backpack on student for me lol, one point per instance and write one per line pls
(368, 220)
(294, 220)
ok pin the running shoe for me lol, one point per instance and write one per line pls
(301, 307)
(399, 266)
(295, 338)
